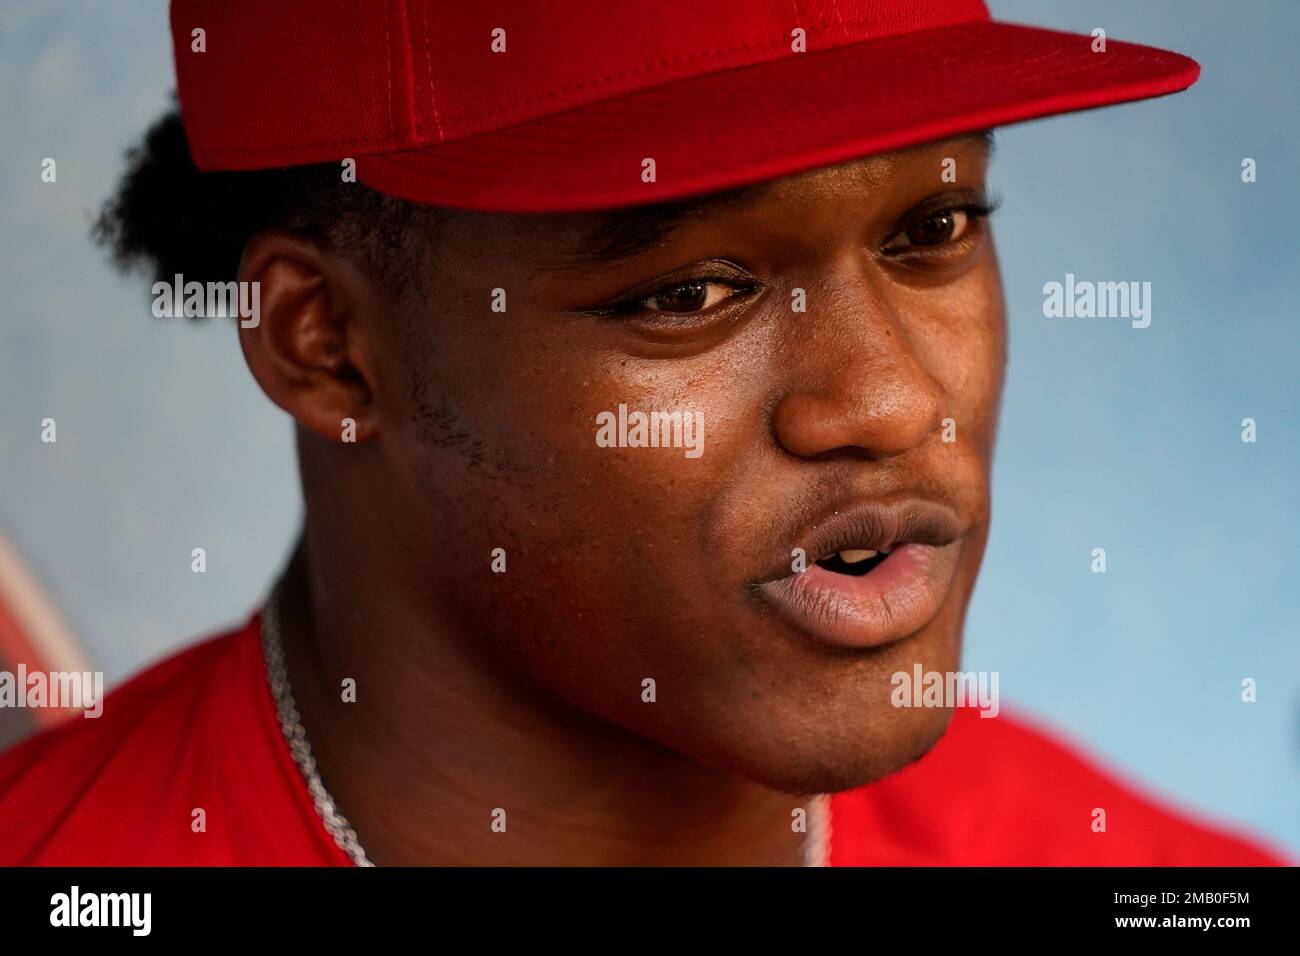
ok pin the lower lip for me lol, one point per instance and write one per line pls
(894, 600)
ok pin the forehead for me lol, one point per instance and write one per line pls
(623, 233)
(562, 241)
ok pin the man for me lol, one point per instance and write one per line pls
(645, 371)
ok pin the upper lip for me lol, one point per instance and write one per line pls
(875, 527)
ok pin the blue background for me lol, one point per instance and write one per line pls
(1111, 437)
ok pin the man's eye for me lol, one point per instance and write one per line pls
(683, 297)
(938, 229)
(684, 301)
(943, 227)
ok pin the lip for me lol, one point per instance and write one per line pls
(895, 599)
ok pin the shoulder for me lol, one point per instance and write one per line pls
(999, 792)
(179, 769)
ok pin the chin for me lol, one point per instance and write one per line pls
(833, 762)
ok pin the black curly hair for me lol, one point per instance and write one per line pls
(168, 217)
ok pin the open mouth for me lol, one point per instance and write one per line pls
(854, 562)
(881, 574)
(861, 597)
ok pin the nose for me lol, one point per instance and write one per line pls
(856, 385)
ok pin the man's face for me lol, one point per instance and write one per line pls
(866, 419)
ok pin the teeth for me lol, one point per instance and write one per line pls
(856, 555)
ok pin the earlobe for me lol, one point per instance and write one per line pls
(308, 348)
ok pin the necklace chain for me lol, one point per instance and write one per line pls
(296, 735)
(816, 848)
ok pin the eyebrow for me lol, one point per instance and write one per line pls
(624, 233)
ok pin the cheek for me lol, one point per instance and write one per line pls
(960, 339)
(529, 452)
(608, 581)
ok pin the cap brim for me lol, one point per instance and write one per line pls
(802, 111)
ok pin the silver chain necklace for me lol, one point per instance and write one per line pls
(296, 735)
(816, 847)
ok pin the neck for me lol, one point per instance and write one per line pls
(445, 760)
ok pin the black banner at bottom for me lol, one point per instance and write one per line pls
(492, 906)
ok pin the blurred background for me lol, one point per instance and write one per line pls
(1111, 437)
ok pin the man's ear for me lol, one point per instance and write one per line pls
(309, 348)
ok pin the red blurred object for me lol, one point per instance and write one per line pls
(35, 635)
(200, 730)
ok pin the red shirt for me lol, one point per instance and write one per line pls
(199, 730)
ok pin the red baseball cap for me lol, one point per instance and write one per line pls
(566, 105)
